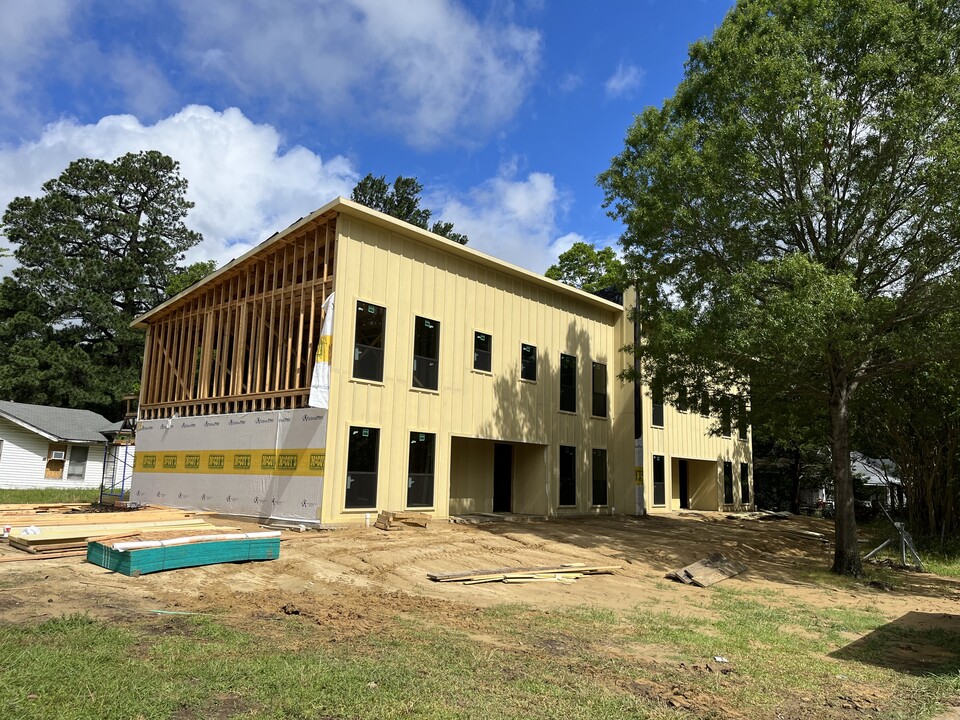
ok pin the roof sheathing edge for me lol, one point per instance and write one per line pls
(343, 205)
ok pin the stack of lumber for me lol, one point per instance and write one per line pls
(710, 570)
(60, 532)
(154, 554)
(390, 520)
(566, 573)
(20, 509)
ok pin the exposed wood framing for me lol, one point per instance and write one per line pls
(246, 341)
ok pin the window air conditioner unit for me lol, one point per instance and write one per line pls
(58, 455)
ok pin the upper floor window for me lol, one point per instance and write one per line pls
(482, 351)
(726, 422)
(568, 383)
(656, 397)
(599, 390)
(368, 342)
(743, 421)
(528, 362)
(426, 353)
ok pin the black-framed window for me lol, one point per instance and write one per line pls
(482, 351)
(568, 475)
(727, 482)
(599, 390)
(745, 483)
(599, 468)
(568, 383)
(659, 481)
(528, 362)
(743, 421)
(368, 342)
(656, 396)
(363, 459)
(426, 353)
(726, 421)
(420, 469)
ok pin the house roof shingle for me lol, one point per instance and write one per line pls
(62, 424)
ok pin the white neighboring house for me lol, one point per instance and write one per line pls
(51, 447)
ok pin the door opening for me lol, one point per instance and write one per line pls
(684, 486)
(502, 478)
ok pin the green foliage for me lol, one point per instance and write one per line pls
(190, 275)
(402, 201)
(585, 267)
(98, 248)
(791, 212)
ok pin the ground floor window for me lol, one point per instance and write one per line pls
(420, 469)
(659, 481)
(78, 462)
(568, 475)
(727, 483)
(745, 483)
(599, 477)
(363, 456)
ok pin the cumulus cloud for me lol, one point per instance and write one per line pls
(246, 185)
(624, 81)
(429, 71)
(513, 219)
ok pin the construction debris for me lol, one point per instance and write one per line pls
(566, 573)
(708, 571)
(390, 520)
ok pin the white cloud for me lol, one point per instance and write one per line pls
(27, 33)
(570, 82)
(429, 70)
(245, 184)
(624, 81)
(514, 220)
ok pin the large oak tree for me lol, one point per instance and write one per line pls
(793, 211)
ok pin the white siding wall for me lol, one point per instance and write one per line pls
(23, 461)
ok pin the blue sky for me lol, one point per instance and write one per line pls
(505, 111)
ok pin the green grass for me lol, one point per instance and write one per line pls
(50, 495)
(510, 661)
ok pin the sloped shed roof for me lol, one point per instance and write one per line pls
(57, 424)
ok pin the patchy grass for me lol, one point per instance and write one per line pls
(50, 495)
(785, 658)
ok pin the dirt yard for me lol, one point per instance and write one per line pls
(348, 580)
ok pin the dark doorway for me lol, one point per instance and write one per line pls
(684, 486)
(502, 478)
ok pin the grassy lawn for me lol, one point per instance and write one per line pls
(50, 495)
(510, 661)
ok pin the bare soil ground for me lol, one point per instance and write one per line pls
(347, 581)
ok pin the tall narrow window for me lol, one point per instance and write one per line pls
(745, 483)
(426, 353)
(659, 481)
(368, 342)
(599, 390)
(568, 475)
(743, 422)
(683, 401)
(528, 362)
(705, 404)
(482, 351)
(727, 482)
(420, 469)
(362, 463)
(725, 419)
(599, 477)
(568, 383)
(656, 396)
(78, 462)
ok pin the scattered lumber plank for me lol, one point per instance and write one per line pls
(712, 569)
(394, 520)
(551, 573)
(44, 556)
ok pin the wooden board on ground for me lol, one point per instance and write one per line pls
(552, 573)
(710, 570)
(99, 518)
(63, 538)
(394, 520)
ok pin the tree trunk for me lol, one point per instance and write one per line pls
(797, 482)
(846, 558)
